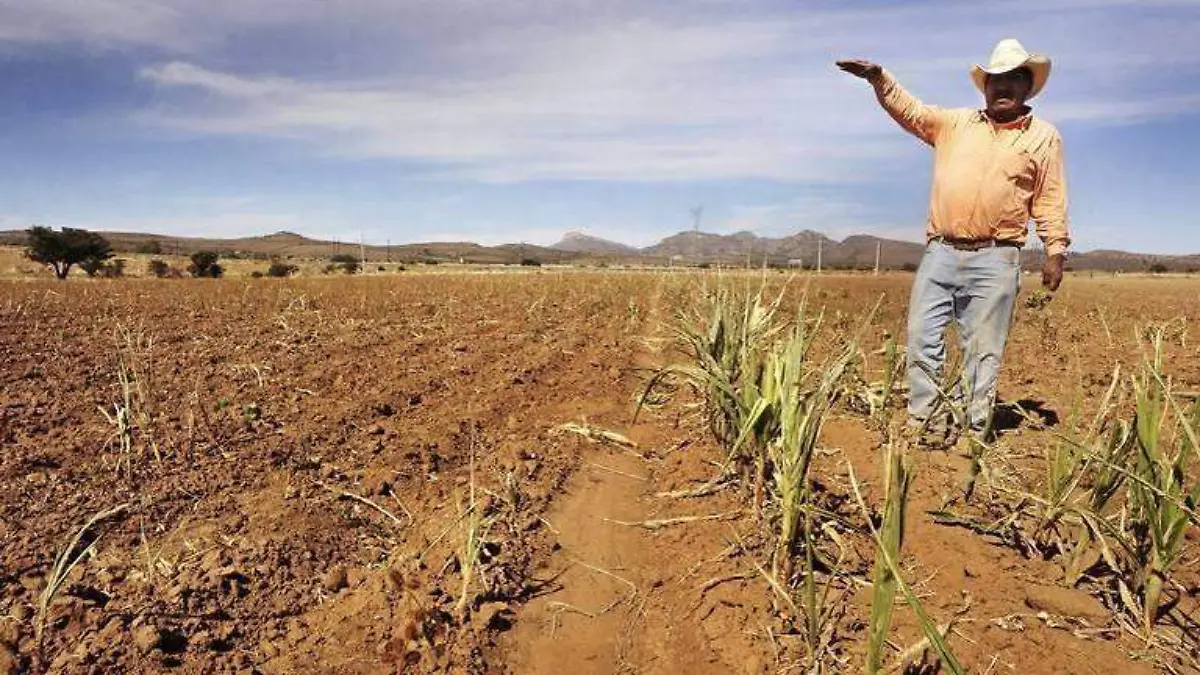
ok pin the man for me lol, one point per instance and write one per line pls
(994, 170)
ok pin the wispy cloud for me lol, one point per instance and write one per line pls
(231, 224)
(653, 103)
(618, 94)
(834, 215)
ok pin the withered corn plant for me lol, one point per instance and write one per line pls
(1119, 498)
(874, 397)
(791, 398)
(891, 541)
(727, 341)
(888, 540)
(474, 534)
(1079, 485)
(1162, 496)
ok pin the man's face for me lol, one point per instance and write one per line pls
(1006, 93)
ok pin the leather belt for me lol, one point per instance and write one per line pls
(976, 244)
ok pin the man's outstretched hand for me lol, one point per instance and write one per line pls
(868, 71)
(1052, 272)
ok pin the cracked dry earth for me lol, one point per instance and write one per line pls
(306, 461)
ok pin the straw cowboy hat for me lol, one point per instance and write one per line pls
(1010, 55)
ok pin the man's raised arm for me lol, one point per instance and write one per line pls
(923, 121)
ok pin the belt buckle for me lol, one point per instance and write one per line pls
(963, 245)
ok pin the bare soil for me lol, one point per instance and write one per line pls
(301, 484)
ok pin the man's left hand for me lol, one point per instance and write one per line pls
(1052, 272)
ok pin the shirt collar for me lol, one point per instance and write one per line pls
(1021, 122)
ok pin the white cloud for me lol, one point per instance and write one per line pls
(835, 216)
(1113, 112)
(94, 22)
(11, 221)
(592, 114)
(614, 89)
(219, 225)
(495, 234)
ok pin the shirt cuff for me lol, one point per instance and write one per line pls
(885, 81)
(1057, 248)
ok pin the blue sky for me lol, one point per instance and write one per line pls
(493, 121)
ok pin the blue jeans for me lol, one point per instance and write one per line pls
(978, 290)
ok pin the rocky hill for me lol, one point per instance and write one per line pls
(578, 242)
(292, 245)
(800, 249)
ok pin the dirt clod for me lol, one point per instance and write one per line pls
(376, 484)
(9, 663)
(335, 579)
(268, 649)
(1065, 602)
(494, 616)
(146, 638)
(10, 632)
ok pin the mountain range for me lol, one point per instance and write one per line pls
(857, 252)
(800, 249)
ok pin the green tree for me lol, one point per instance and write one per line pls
(151, 247)
(204, 264)
(65, 248)
(279, 268)
(347, 262)
(158, 268)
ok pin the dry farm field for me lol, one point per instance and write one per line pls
(445, 473)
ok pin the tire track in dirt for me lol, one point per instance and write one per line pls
(625, 598)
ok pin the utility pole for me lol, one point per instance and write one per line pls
(362, 251)
(697, 213)
(878, 245)
(820, 244)
(389, 250)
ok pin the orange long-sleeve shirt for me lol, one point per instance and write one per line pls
(989, 179)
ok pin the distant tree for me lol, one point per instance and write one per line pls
(909, 267)
(1158, 268)
(152, 247)
(113, 269)
(346, 261)
(92, 266)
(158, 268)
(279, 268)
(204, 264)
(109, 269)
(531, 262)
(67, 247)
